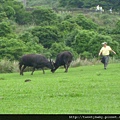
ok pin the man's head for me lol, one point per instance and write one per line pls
(104, 43)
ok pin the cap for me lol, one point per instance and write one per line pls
(104, 43)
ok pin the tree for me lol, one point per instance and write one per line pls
(44, 16)
(10, 12)
(31, 42)
(11, 48)
(47, 35)
(5, 28)
(106, 4)
(71, 3)
(85, 23)
(117, 28)
(3, 17)
(87, 42)
(16, 11)
(115, 34)
(58, 47)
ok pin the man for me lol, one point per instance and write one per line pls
(105, 51)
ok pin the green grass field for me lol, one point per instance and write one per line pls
(83, 90)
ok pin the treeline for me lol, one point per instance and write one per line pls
(49, 33)
(106, 4)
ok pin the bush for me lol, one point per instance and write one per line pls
(5, 28)
(59, 47)
(6, 66)
(86, 55)
(80, 62)
(31, 42)
(44, 16)
(11, 48)
(47, 35)
(86, 23)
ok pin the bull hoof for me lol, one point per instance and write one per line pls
(21, 73)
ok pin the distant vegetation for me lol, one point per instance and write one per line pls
(106, 4)
(44, 30)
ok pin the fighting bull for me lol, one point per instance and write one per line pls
(63, 59)
(35, 61)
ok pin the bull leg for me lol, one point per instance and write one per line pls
(66, 67)
(33, 70)
(43, 71)
(20, 68)
(23, 69)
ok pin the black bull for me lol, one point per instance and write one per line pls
(35, 61)
(63, 58)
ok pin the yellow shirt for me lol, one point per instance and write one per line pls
(105, 50)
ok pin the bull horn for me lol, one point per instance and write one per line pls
(50, 59)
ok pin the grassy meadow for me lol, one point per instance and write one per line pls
(83, 90)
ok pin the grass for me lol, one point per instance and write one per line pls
(83, 90)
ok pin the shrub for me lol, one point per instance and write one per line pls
(6, 66)
(86, 55)
(44, 16)
(11, 48)
(86, 23)
(5, 28)
(47, 35)
(58, 47)
(81, 62)
(31, 42)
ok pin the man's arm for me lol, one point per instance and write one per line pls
(100, 52)
(113, 51)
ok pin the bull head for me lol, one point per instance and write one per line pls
(52, 64)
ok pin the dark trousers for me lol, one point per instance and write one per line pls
(105, 60)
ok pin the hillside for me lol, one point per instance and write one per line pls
(106, 4)
(50, 30)
(45, 3)
(101, 18)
